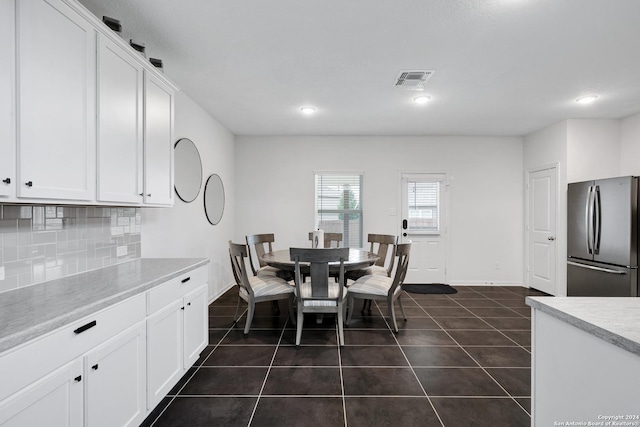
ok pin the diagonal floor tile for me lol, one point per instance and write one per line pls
(299, 411)
(458, 382)
(372, 356)
(402, 411)
(380, 382)
(303, 381)
(481, 412)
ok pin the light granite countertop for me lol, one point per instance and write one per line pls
(35, 310)
(615, 320)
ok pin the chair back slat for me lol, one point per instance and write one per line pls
(238, 253)
(262, 244)
(403, 251)
(319, 260)
(329, 238)
(386, 244)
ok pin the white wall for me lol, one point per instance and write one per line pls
(548, 147)
(593, 149)
(183, 230)
(630, 146)
(275, 192)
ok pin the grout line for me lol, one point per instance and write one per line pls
(482, 367)
(192, 375)
(409, 363)
(273, 357)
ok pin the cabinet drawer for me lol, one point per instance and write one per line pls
(170, 291)
(23, 365)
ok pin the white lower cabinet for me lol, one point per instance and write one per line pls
(196, 325)
(55, 400)
(115, 375)
(176, 334)
(164, 336)
(110, 368)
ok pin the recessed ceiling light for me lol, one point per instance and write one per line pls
(588, 99)
(422, 99)
(308, 110)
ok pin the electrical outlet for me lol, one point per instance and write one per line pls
(497, 266)
(121, 251)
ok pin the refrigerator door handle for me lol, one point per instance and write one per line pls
(597, 220)
(593, 267)
(587, 219)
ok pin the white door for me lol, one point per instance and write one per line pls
(196, 329)
(158, 142)
(120, 100)
(56, 102)
(55, 400)
(7, 112)
(541, 226)
(424, 223)
(164, 351)
(116, 380)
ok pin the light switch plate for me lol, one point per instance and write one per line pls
(121, 251)
(1, 273)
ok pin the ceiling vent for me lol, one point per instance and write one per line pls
(413, 79)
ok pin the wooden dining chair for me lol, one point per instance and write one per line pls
(255, 289)
(262, 244)
(329, 239)
(381, 287)
(382, 245)
(321, 294)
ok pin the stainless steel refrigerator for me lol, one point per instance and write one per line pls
(602, 244)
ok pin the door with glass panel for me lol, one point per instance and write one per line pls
(423, 221)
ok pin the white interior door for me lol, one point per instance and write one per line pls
(542, 214)
(424, 222)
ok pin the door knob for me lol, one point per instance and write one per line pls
(551, 238)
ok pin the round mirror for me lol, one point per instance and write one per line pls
(214, 199)
(187, 170)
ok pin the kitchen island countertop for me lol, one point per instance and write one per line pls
(614, 320)
(35, 310)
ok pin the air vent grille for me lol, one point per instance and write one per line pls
(413, 79)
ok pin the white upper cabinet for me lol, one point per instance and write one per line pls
(120, 98)
(56, 55)
(158, 142)
(7, 112)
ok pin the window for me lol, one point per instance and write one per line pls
(423, 197)
(339, 206)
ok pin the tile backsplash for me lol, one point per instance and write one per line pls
(45, 242)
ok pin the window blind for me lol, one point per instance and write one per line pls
(424, 206)
(339, 206)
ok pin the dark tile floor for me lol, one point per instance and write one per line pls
(459, 360)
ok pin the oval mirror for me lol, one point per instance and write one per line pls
(187, 170)
(214, 199)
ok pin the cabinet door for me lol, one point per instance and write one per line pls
(7, 104)
(120, 79)
(158, 142)
(115, 375)
(164, 352)
(56, 119)
(53, 401)
(196, 321)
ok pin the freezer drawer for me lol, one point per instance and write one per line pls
(599, 280)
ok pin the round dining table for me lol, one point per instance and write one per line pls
(358, 258)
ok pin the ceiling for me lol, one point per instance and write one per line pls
(502, 67)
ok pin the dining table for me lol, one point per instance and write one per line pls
(358, 258)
